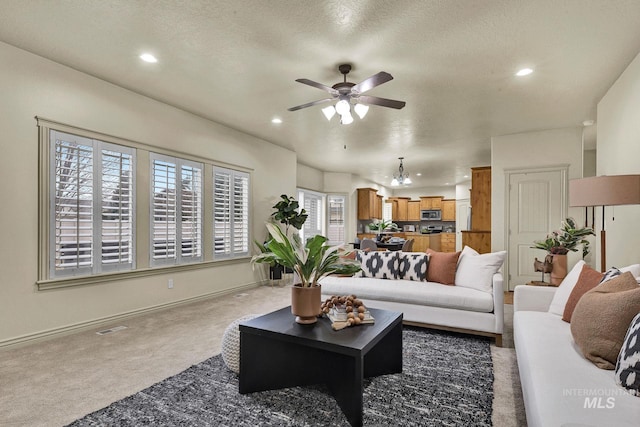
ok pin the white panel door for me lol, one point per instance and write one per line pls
(537, 206)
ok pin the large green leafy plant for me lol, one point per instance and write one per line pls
(287, 212)
(310, 261)
(568, 238)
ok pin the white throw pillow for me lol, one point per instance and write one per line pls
(564, 290)
(634, 269)
(476, 271)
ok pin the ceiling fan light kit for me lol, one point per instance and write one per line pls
(400, 178)
(346, 92)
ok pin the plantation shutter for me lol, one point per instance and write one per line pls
(117, 231)
(176, 222)
(312, 204)
(191, 212)
(72, 219)
(230, 213)
(336, 206)
(92, 220)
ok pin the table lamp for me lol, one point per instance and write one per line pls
(604, 191)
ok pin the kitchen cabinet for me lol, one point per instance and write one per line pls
(369, 204)
(413, 210)
(378, 207)
(478, 240)
(399, 208)
(448, 210)
(481, 198)
(431, 203)
(420, 242)
(448, 242)
(479, 237)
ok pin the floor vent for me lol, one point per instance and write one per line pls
(240, 295)
(112, 330)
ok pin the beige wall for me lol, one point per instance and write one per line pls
(526, 151)
(309, 178)
(32, 86)
(618, 153)
(448, 192)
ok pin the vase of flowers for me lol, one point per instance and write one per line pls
(310, 262)
(560, 242)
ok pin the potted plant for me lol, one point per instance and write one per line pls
(559, 243)
(310, 262)
(286, 212)
(382, 226)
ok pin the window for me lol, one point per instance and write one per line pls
(230, 213)
(91, 209)
(88, 186)
(176, 219)
(336, 206)
(312, 203)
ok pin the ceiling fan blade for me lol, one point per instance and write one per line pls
(371, 82)
(383, 102)
(310, 104)
(329, 89)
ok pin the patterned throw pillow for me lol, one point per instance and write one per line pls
(628, 364)
(413, 266)
(378, 264)
(610, 274)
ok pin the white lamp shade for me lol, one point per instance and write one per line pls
(329, 112)
(343, 107)
(394, 182)
(407, 180)
(361, 110)
(346, 118)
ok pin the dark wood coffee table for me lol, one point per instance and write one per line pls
(276, 352)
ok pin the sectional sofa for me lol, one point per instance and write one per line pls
(560, 385)
(461, 292)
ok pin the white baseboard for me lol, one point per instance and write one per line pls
(90, 324)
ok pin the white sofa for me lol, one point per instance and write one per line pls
(561, 387)
(429, 304)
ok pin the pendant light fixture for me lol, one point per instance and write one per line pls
(400, 178)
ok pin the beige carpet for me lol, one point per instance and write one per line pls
(54, 382)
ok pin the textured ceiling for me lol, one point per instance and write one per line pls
(453, 62)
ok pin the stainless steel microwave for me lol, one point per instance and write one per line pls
(431, 215)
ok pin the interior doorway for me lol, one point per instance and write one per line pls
(536, 204)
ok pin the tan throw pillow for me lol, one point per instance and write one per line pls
(588, 279)
(601, 318)
(442, 267)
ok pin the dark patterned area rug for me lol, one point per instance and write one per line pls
(447, 380)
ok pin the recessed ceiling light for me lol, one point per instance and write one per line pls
(588, 123)
(524, 72)
(147, 57)
(276, 120)
(466, 176)
(418, 174)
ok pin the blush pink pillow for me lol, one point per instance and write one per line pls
(442, 267)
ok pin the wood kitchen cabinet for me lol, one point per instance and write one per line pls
(431, 203)
(479, 237)
(420, 242)
(413, 210)
(369, 204)
(481, 198)
(448, 242)
(399, 208)
(448, 210)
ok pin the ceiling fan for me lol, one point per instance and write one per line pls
(346, 91)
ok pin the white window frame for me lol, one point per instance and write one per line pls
(178, 257)
(235, 240)
(97, 265)
(313, 225)
(342, 227)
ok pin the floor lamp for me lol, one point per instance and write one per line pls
(604, 191)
